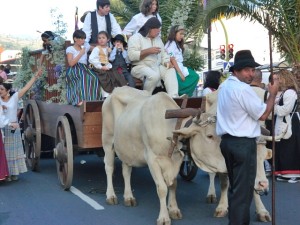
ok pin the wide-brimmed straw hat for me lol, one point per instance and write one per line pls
(243, 59)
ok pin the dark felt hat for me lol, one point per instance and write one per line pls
(119, 37)
(243, 59)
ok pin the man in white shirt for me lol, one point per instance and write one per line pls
(239, 110)
(100, 20)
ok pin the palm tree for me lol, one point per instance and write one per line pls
(280, 17)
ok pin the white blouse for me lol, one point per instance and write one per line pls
(289, 99)
(174, 51)
(3, 119)
(11, 108)
(74, 52)
(137, 22)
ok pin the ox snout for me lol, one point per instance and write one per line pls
(262, 187)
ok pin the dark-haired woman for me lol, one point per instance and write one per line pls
(148, 9)
(12, 141)
(187, 77)
(149, 59)
(212, 82)
(82, 83)
(48, 38)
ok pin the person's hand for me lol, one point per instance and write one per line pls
(38, 73)
(273, 89)
(13, 125)
(182, 76)
(105, 68)
(120, 45)
(171, 65)
(155, 50)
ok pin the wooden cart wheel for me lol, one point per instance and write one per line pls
(63, 152)
(188, 169)
(32, 135)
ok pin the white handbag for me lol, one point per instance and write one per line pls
(285, 126)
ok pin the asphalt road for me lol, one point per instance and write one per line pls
(37, 198)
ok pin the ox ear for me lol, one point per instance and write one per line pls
(187, 132)
(269, 154)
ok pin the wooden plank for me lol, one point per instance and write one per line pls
(96, 129)
(49, 113)
(193, 102)
(92, 141)
(92, 118)
(93, 106)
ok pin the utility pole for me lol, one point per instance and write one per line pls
(226, 40)
(209, 47)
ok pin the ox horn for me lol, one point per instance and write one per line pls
(197, 117)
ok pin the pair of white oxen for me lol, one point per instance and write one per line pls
(135, 129)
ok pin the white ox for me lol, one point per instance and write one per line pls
(134, 127)
(205, 151)
(210, 159)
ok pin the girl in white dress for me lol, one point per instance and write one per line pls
(187, 77)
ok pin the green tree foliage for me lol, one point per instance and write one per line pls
(172, 12)
(281, 17)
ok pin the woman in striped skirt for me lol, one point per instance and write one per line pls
(82, 83)
(12, 137)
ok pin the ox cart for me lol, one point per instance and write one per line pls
(72, 129)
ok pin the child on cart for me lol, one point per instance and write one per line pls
(108, 77)
(82, 84)
(119, 58)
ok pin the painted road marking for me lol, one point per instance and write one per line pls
(86, 198)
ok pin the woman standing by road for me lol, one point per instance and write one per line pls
(12, 141)
(287, 157)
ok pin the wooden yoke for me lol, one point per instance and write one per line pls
(177, 126)
(181, 113)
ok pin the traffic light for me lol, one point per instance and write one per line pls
(230, 50)
(222, 51)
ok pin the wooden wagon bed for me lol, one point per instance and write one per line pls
(72, 127)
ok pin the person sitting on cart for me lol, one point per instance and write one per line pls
(119, 58)
(98, 59)
(50, 39)
(82, 83)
